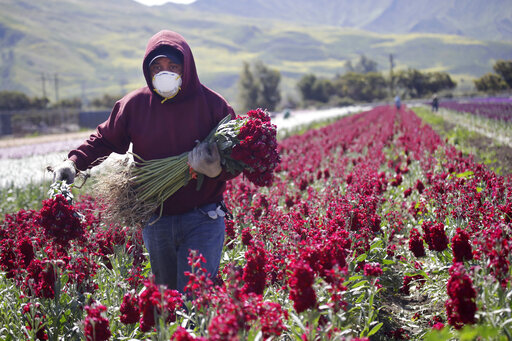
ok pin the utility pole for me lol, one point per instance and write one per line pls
(391, 76)
(43, 79)
(56, 88)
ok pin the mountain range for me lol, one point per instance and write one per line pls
(479, 19)
(68, 48)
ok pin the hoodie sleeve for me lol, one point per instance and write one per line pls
(110, 136)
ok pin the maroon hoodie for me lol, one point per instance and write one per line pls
(159, 130)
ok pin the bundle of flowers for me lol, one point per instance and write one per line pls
(246, 144)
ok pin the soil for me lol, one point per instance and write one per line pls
(501, 155)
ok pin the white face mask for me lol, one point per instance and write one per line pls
(167, 84)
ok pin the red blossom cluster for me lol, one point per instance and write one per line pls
(435, 236)
(461, 306)
(153, 301)
(416, 243)
(60, 220)
(257, 147)
(301, 286)
(461, 247)
(96, 324)
(236, 308)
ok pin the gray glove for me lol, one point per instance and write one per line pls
(65, 171)
(205, 159)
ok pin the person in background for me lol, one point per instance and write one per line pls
(435, 103)
(397, 102)
(165, 118)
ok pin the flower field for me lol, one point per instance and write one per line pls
(493, 108)
(374, 229)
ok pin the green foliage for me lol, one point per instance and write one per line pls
(504, 69)
(75, 103)
(107, 101)
(15, 100)
(365, 87)
(490, 82)
(312, 88)
(259, 88)
(343, 90)
(417, 84)
(363, 65)
(495, 82)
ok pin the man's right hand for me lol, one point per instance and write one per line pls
(65, 171)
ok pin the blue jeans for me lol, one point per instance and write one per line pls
(169, 240)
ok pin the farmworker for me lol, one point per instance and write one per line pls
(166, 118)
(397, 102)
(435, 103)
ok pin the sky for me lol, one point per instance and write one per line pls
(161, 2)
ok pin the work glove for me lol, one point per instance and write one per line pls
(65, 171)
(205, 159)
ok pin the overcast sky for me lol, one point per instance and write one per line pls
(161, 2)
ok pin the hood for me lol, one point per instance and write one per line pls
(190, 81)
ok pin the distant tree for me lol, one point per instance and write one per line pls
(438, 81)
(349, 67)
(14, 100)
(413, 81)
(360, 87)
(504, 69)
(105, 102)
(315, 89)
(490, 82)
(417, 84)
(259, 88)
(269, 94)
(248, 89)
(39, 102)
(305, 86)
(363, 65)
(71, 103)
(366, 65)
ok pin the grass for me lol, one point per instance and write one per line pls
(487, 151)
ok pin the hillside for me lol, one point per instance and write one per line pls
(478, 19)
(90, 48)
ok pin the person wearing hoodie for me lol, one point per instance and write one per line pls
(166, 118)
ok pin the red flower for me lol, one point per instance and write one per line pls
(416, 243)
(419, 186)
(301, 286)
(461, 306)
(129, 309)
(40, 279)
(224, 327)
(272, 319)
(156, 301)
(181, 334)
(372, 270)
(254, 271)
(96, 326)
(461, 247)
(435, 236)
(60, 220)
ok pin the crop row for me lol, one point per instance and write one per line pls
(364, 214)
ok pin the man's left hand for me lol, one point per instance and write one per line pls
(205, 159)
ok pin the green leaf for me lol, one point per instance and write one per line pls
(359, 284)
(465, 174)
(375, 329)
(361, 258)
